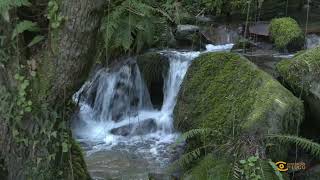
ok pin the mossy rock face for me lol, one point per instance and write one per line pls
(286, 34)
(227, 93)
(302, 75)
(154, 67)
(79, 168)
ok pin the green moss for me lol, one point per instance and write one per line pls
(211, 168)
(74, 164)
(302, 72)
(78, 164)
(227, 93)
(153, 67)
(286, 33)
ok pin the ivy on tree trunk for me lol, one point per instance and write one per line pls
(62, 66)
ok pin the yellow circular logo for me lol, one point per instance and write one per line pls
(282, 166)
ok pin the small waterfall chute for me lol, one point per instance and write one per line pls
(115, 104)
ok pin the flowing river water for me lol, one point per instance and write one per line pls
(123, 136)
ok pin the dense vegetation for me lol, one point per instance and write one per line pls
(48, 47)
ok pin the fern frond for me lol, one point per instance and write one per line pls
(187, 158)
(196, 133)
(131, 25)
(305, 144)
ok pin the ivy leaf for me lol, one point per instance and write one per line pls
(28, 109)
(65, 147)
(15, 133)
(33, 73)
(242, 161)
(36, 40)
(54, 134)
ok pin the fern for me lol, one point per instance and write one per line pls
(6, 5)
(196, 133)
(187, 158)
(305, 144)
(132, 25)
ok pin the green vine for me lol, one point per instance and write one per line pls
(53, 14)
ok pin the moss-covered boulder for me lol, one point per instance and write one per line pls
(154, 67)
(286, 34)
(302, 75)
(227, 93)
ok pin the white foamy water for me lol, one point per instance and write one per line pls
(116, 112)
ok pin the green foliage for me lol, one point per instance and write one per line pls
(231, 125)
(27, 26)
(53, 14)
(217, 164)
(211, 168)
(303, 143)
(286, 31)
(219, 7)
(24, 105)
(24, 26)
(249, 168)
(6, 5)
(132, 25)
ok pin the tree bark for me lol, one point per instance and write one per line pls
(59, 75)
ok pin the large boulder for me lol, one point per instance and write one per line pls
(230, 95)
(154, 68)
(286, 34)
(302, 75)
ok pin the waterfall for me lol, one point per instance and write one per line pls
(115, 104)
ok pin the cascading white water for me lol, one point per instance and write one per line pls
(116, 115)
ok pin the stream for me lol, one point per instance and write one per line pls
(123, 136)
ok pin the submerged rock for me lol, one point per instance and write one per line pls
(227, 93)
(286, 34)
(141, 128)
(302, 75)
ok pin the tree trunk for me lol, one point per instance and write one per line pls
(70, 56)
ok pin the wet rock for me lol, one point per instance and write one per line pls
(260, 29)
(302, 76)
(223, 91)
(313, 41)
(223, 34)
(265, 60)
(190, 36)
(154, 68)
(161, 176)
(141, 128)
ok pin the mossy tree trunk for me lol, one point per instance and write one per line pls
(61, 68)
